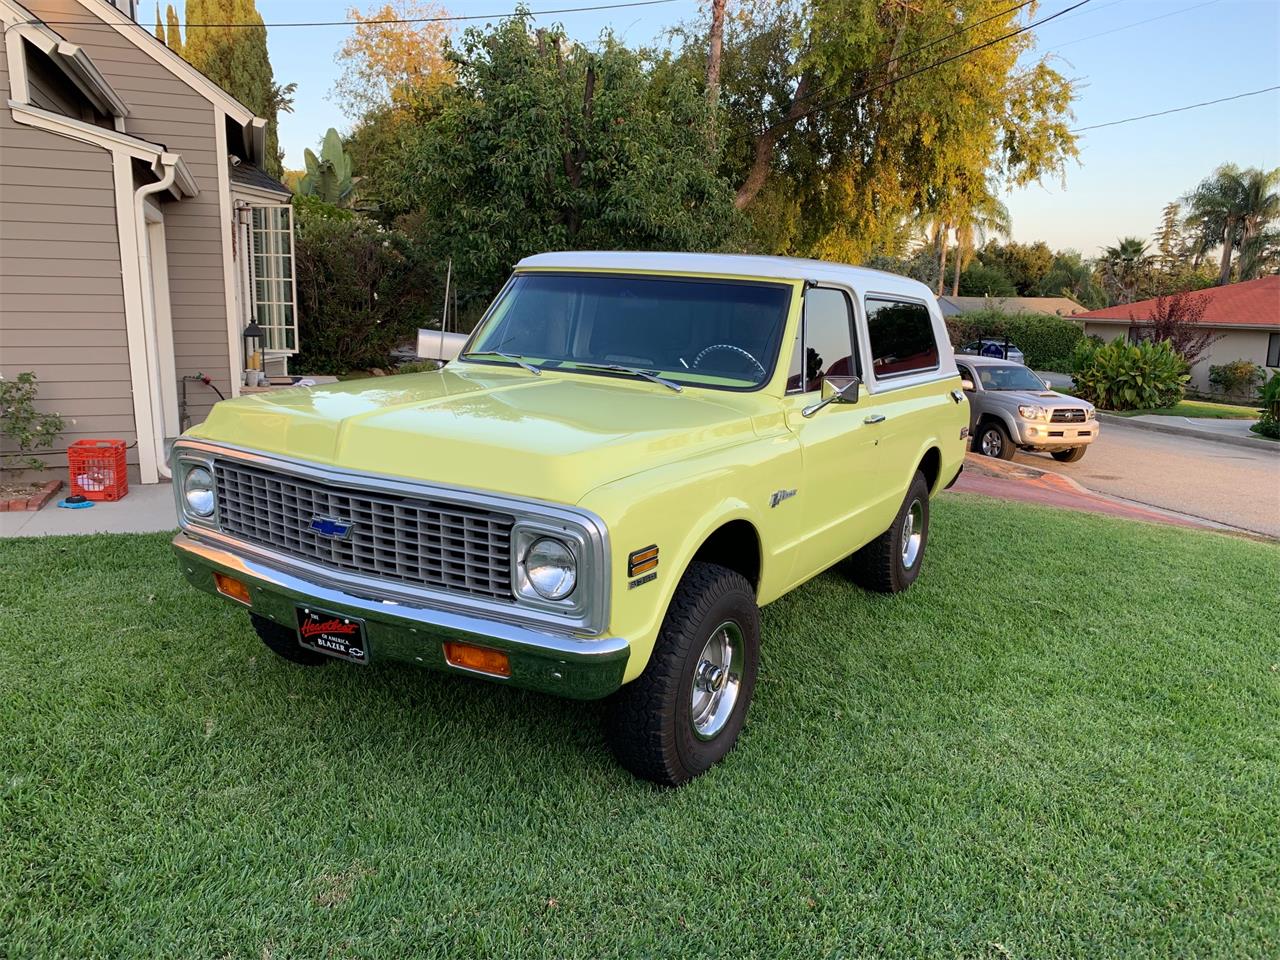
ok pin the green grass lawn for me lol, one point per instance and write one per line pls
(1198, 408)
(1063, 741)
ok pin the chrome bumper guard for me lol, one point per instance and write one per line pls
(394, 630)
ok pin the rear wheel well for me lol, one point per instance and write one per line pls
(735, 545)
(931, 466)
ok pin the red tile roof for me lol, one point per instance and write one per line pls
(1254, 303)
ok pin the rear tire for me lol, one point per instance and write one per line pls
(684, 713)
(891, 562)
(1070, 455)
(993, 441)
(283, 642)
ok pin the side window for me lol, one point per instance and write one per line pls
(966, 374)
(901, 334)
(828, 348)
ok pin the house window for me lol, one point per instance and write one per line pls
(271, 245)
(902, 340)
(1273, 350)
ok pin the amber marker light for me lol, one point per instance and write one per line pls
(480, 659)
(642, 561)
(233, 588)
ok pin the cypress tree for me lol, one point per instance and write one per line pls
(235, 57)
(173, 30)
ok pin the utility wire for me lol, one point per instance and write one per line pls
(1161, 113)
(352, 23)
(1136, 23)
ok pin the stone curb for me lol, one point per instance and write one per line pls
(1261, 443)
(33, 502)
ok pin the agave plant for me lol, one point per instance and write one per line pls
(329, 175)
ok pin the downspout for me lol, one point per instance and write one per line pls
(146, 284)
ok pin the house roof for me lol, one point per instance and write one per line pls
(1253, 303)
(247, 175)
(1054, 306)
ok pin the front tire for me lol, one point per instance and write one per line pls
(684, 713)
(891, 562)
(993, 441)
(1070, 455)
(284, 643)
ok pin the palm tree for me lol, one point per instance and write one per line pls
(1231, 208)
(1124, 264)
(975, 221)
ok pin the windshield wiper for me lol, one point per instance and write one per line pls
(632, 371)
(514, 358)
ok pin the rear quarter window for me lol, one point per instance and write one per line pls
(901, 335)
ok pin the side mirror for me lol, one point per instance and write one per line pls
(966, 384)
(1048, 386)
(835, 390)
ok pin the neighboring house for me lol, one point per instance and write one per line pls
(1053, 306)
(138, 236)
(1245, 317)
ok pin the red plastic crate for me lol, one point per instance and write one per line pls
(98, 469)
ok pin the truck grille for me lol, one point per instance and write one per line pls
(1071, 415)
(418, 541)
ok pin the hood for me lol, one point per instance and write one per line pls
(552, 437)
(1045, 398)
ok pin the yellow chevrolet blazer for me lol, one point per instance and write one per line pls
(632, 455)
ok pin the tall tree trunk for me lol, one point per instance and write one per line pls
(942, 257)
(955, 270)
(1224, 274)
(713, 52)
(762, 156)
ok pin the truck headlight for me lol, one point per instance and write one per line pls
(1033, 413)
(551, 568)
(197, 490)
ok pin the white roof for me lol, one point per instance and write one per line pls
(862, 279)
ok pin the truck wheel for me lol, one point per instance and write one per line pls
(686, 710)
(993, 441)
(284, 642)
(1070, 455)
(891, 562)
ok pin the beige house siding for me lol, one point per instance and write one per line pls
(1231, 345)
(61, 300)
(163, 109)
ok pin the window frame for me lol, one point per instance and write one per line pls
(802, 341)
(1273, 350)
(251, 264)
(889, 379)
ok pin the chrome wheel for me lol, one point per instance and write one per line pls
(912, 534)
(991, 443)
(716, 680)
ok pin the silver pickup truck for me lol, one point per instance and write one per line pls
(1011, 408)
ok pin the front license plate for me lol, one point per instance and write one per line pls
(332, 633)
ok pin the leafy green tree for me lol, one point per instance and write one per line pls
(170, 31)
(980, 280)
(1124, 267)
(1231, 209)
(974, 215)
(235, 58)
(1025, 264)
(546, 144)
(1070, 276)
(328, 176)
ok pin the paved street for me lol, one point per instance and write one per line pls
(1230, 485)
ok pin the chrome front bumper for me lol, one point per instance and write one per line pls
(396, 630)
(1054, 435)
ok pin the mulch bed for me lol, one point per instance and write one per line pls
(27, 496)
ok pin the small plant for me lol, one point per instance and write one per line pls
(1133, 376)
(21, 423)
(418, 366)
(1239, 378)
(1268, 424)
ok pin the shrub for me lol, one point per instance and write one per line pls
(20, 423)
(1046, 341)
(1133, 376)
(362, 289)
(1082, 353)
(1239, 378)
(1268, 424)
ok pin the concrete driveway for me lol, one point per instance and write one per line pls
(1233, 486)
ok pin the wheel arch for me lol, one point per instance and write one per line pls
(735, 544)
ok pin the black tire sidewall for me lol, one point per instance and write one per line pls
(904, 576)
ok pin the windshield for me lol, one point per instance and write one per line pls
(1009, 377)
(722, 334)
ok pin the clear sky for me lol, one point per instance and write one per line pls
(1197, 50)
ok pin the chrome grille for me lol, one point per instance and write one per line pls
(1071, 415)
(422, 542)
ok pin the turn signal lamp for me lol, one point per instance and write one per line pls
(233, 588)
(480, 659)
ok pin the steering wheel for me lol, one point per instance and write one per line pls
(732, 349)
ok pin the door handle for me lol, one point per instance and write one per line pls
(874, 418)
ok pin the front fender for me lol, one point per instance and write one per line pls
(677, 507)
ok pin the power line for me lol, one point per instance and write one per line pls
(1136, 23)
(1190, 106)
(404, 20)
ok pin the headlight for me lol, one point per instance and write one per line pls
(197, 488)
(551, 568)
(1033, 413)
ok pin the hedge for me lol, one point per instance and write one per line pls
(1047, 342)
